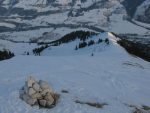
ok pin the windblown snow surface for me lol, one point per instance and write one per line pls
(111, 76)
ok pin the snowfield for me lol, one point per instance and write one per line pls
(111, 76)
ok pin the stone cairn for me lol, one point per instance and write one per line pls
(38, 93)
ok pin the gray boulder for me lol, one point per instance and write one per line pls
(45, 91)
(42, 103)
(36, 96)
(36, 87)
(30, 81)
(32, 101)
(49, 99)
(44, 85)
(31, 91)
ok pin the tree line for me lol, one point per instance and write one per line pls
(81, 35)
(90, 43)
(37, 51)
(6, 54)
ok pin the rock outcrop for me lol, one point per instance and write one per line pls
(38, 93)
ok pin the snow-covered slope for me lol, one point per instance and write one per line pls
(110, 76)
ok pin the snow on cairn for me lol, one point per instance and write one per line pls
(38, 93)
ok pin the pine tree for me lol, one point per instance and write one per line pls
(76, 48)
(27, 53)
(99, 41)
(91, 42)
(106, 41)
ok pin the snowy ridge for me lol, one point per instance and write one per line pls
(70, 48)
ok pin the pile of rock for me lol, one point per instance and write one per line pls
(38, 93)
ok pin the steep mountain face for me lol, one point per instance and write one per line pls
(143, 12)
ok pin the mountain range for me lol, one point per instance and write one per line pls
(22, 19)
